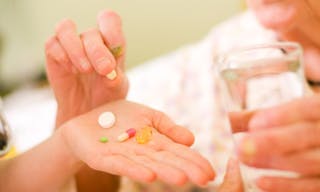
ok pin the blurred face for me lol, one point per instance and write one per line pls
(294, 20)
(282, 15)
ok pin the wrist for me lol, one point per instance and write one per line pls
(65, 113)
(69, 158)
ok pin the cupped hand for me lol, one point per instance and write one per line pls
(78, 66)
(165, 157)
(286, 137)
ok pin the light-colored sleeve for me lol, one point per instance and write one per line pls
(156, 81)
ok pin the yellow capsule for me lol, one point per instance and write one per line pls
(144, 135)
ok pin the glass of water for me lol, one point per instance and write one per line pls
(258, 77)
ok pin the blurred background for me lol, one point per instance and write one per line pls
(152, 28)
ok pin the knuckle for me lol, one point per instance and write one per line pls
(162, 155)
(50, 42)
(98, 54)
(89, 32)
(157, 117)
(65, 24)
(109, 14)
(314, 134)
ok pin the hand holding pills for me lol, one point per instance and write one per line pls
(115, 149)
(86, 70)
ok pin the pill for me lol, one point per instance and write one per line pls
(107, 119)
(103, 139)
(112, 75)
(126, 135)
(117, 51)
(144, 135)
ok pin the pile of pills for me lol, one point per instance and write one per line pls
(108, 119)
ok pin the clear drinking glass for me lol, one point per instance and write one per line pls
(5, 137)
(258, 77)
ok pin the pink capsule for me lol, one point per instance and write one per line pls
(126, 135)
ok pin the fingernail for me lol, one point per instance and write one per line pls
(112, 75)
(247, 146)
(85, 65)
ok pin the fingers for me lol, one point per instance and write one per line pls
(305, 109)
(305, 163)
(120, 165)
(190, 155)
(166, 165)
(284, 148)
(99, 55)
(71, 43)
(113, 158)
(240, 120)
(194, 173)
(276, 184)
(167, 127)
(110, 26)
(278, 141)
(56, 56)
(232, 180)
(166, 173)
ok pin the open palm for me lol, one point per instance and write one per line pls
(165, 157)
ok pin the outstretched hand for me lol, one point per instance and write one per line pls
(166, 157)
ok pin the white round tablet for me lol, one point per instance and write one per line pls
(107, 119)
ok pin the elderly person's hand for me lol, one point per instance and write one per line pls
(286, 137)
(165, 157)
(294, 20)
(81, 67)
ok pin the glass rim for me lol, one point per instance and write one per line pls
(284, 44)
(221, 58)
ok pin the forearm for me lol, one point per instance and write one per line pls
(46, 167)
(88, 179)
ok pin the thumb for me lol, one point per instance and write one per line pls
(232, 180)
(167, 127)
(240, 120)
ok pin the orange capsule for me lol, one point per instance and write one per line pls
(144, 135)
